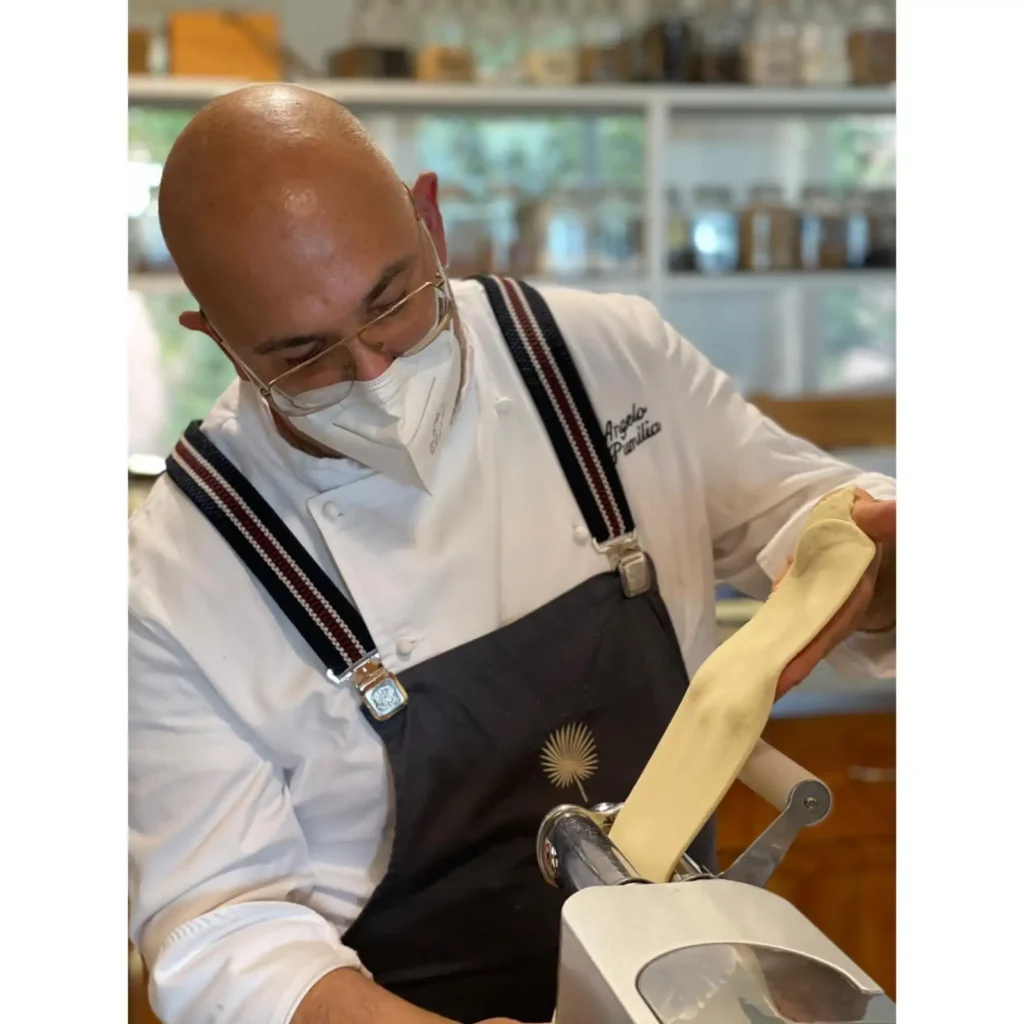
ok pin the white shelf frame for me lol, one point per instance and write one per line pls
(170, 90)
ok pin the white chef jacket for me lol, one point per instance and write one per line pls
(260, 801)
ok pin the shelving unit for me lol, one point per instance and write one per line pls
(658, 105)
(764, 329)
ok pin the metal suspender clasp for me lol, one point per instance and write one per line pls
(626, 555)
(380, 690)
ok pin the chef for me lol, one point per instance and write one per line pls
(442, 557)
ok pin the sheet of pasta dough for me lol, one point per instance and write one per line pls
(729, 700)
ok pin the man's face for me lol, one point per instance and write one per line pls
(318, 269)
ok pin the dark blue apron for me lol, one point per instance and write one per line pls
(564, 705)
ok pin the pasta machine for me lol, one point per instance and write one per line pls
(703, 948)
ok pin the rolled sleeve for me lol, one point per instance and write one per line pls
(219, 870)
(251, 962)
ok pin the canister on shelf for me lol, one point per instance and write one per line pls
(378, 45)
(871, 43)
(769, 236)
(152, 254)
(445, 55)
(858, 234)
(823, 230)
(722, 29)
(553, 49)
(881, 213)
(498, 36)
(679, 233)
(467, 232)
(675, 41)
(772, 56)
(716, 230)
(822, 44)
(603, 56)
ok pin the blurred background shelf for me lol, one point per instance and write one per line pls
(628, 186)
(174, 90)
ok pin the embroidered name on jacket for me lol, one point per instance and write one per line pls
(627, 434)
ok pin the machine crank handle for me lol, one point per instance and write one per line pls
(800, 797)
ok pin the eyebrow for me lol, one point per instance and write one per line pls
(387, 277)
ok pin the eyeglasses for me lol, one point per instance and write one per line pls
(327, 377)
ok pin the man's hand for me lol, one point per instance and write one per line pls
(872, 605)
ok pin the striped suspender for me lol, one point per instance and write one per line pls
(547, 369)
(302, 590)
(331, 626)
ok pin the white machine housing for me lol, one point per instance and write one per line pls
(691, 951)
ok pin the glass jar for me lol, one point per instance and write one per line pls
(674, 43)
(639, 22)
(377, 48)
(881, 216)
(502, 206)
(553, 47)
(871, 43)
(498, 36)
(565, 226)
(772, 54)
(679, 233)
(467, 231)
(769, 235)
(445, 55)
(715, 239)
(822, 41)
(152, 254)
(618, 231)
(602, 49)
(721, 28)
(823, 230)
(855, 210)
(529, 243)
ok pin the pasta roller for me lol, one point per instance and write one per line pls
(705, 948)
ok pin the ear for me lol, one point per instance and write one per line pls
(193, 320)
(424, 194)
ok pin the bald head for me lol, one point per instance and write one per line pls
(283, 217)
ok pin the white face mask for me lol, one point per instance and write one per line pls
(396, 422)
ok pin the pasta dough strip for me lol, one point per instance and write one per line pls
(727, 705)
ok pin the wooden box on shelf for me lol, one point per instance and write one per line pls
(855, 421)
(224, 44)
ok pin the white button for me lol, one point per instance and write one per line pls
(405, 645)
(503, 405)
(332, 511)
(581, 535)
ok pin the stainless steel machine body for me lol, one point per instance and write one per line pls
(703, 948)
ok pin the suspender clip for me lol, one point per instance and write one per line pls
(626, 555)
(381, 692)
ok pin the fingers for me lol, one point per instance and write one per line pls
(876, 518)
(839, 627)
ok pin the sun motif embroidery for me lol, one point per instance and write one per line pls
(569, 757)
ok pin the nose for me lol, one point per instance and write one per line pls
(370, 363)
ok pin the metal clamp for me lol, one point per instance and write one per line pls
(626, 555)
(381, 692)
(574, 852)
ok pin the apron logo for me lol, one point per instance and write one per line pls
(570, 757)
(630, 432)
